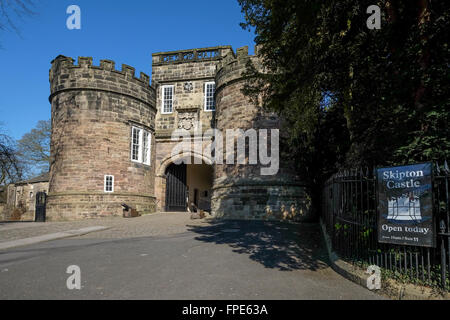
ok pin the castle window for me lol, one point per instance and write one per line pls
(141, 145)
(147, 142)
(210, 88)
(136, 138)
(109, 183)
(167, 99)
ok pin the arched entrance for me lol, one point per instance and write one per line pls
(188, 187)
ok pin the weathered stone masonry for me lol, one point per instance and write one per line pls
(95, 107)
(240, 191)
(93, 111)
(187, 71)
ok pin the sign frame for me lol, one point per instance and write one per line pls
(399, 224)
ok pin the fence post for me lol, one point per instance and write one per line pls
(354, 204)
(443, 260)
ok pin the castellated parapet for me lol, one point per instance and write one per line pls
(94, 109)
(241, 191)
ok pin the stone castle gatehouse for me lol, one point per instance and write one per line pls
(112, 140)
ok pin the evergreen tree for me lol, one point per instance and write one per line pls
(351, 96)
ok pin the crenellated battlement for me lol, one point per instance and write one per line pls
(231, 58)
(232, 67)
(66, 75)
(94, 109)
(191, 55)
(62, 62)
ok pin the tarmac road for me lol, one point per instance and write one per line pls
(223, 260)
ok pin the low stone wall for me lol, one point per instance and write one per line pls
(8, 213)
(88, 206)
(2, 211)
(258, 202)
(27, 216)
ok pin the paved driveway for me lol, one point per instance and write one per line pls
(190, 260)
(120, 228)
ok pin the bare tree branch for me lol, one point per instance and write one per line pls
(11, 10)
(10, 168)
(33, 149)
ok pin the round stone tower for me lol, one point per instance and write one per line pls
(251, 191)
(102, 144)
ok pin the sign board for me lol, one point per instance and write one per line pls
(405, 205)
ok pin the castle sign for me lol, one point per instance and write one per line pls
(405, 205)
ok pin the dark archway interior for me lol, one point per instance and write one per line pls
(189, 186)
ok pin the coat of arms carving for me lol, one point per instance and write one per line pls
(188, 87)
(187, 119)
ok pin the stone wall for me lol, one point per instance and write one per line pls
(25, 198)
(93, 112)
(3, 194)
(187, 71)
(3, 200)
(3, 212)
(200, 178)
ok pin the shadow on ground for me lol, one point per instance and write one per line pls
(276, 245)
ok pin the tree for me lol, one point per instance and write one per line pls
(11, 10)
(353, 96)
(34, 148)
(10, 168)
(350, 96)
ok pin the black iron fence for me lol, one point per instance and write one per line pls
(349, 212)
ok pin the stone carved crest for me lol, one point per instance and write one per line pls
(188, 87)
(187, 119)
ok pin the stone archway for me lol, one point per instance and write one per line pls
(166, 162)
(199, 181)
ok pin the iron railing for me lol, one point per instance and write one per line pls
(349, 212)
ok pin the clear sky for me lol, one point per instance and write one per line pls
(124, 31)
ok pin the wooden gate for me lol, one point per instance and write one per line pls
(176, 191)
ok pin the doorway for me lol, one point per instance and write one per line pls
(176, 188)
(188, 187)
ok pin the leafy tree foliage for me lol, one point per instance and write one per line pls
(351, 96)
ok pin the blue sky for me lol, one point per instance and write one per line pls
(124, 31)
